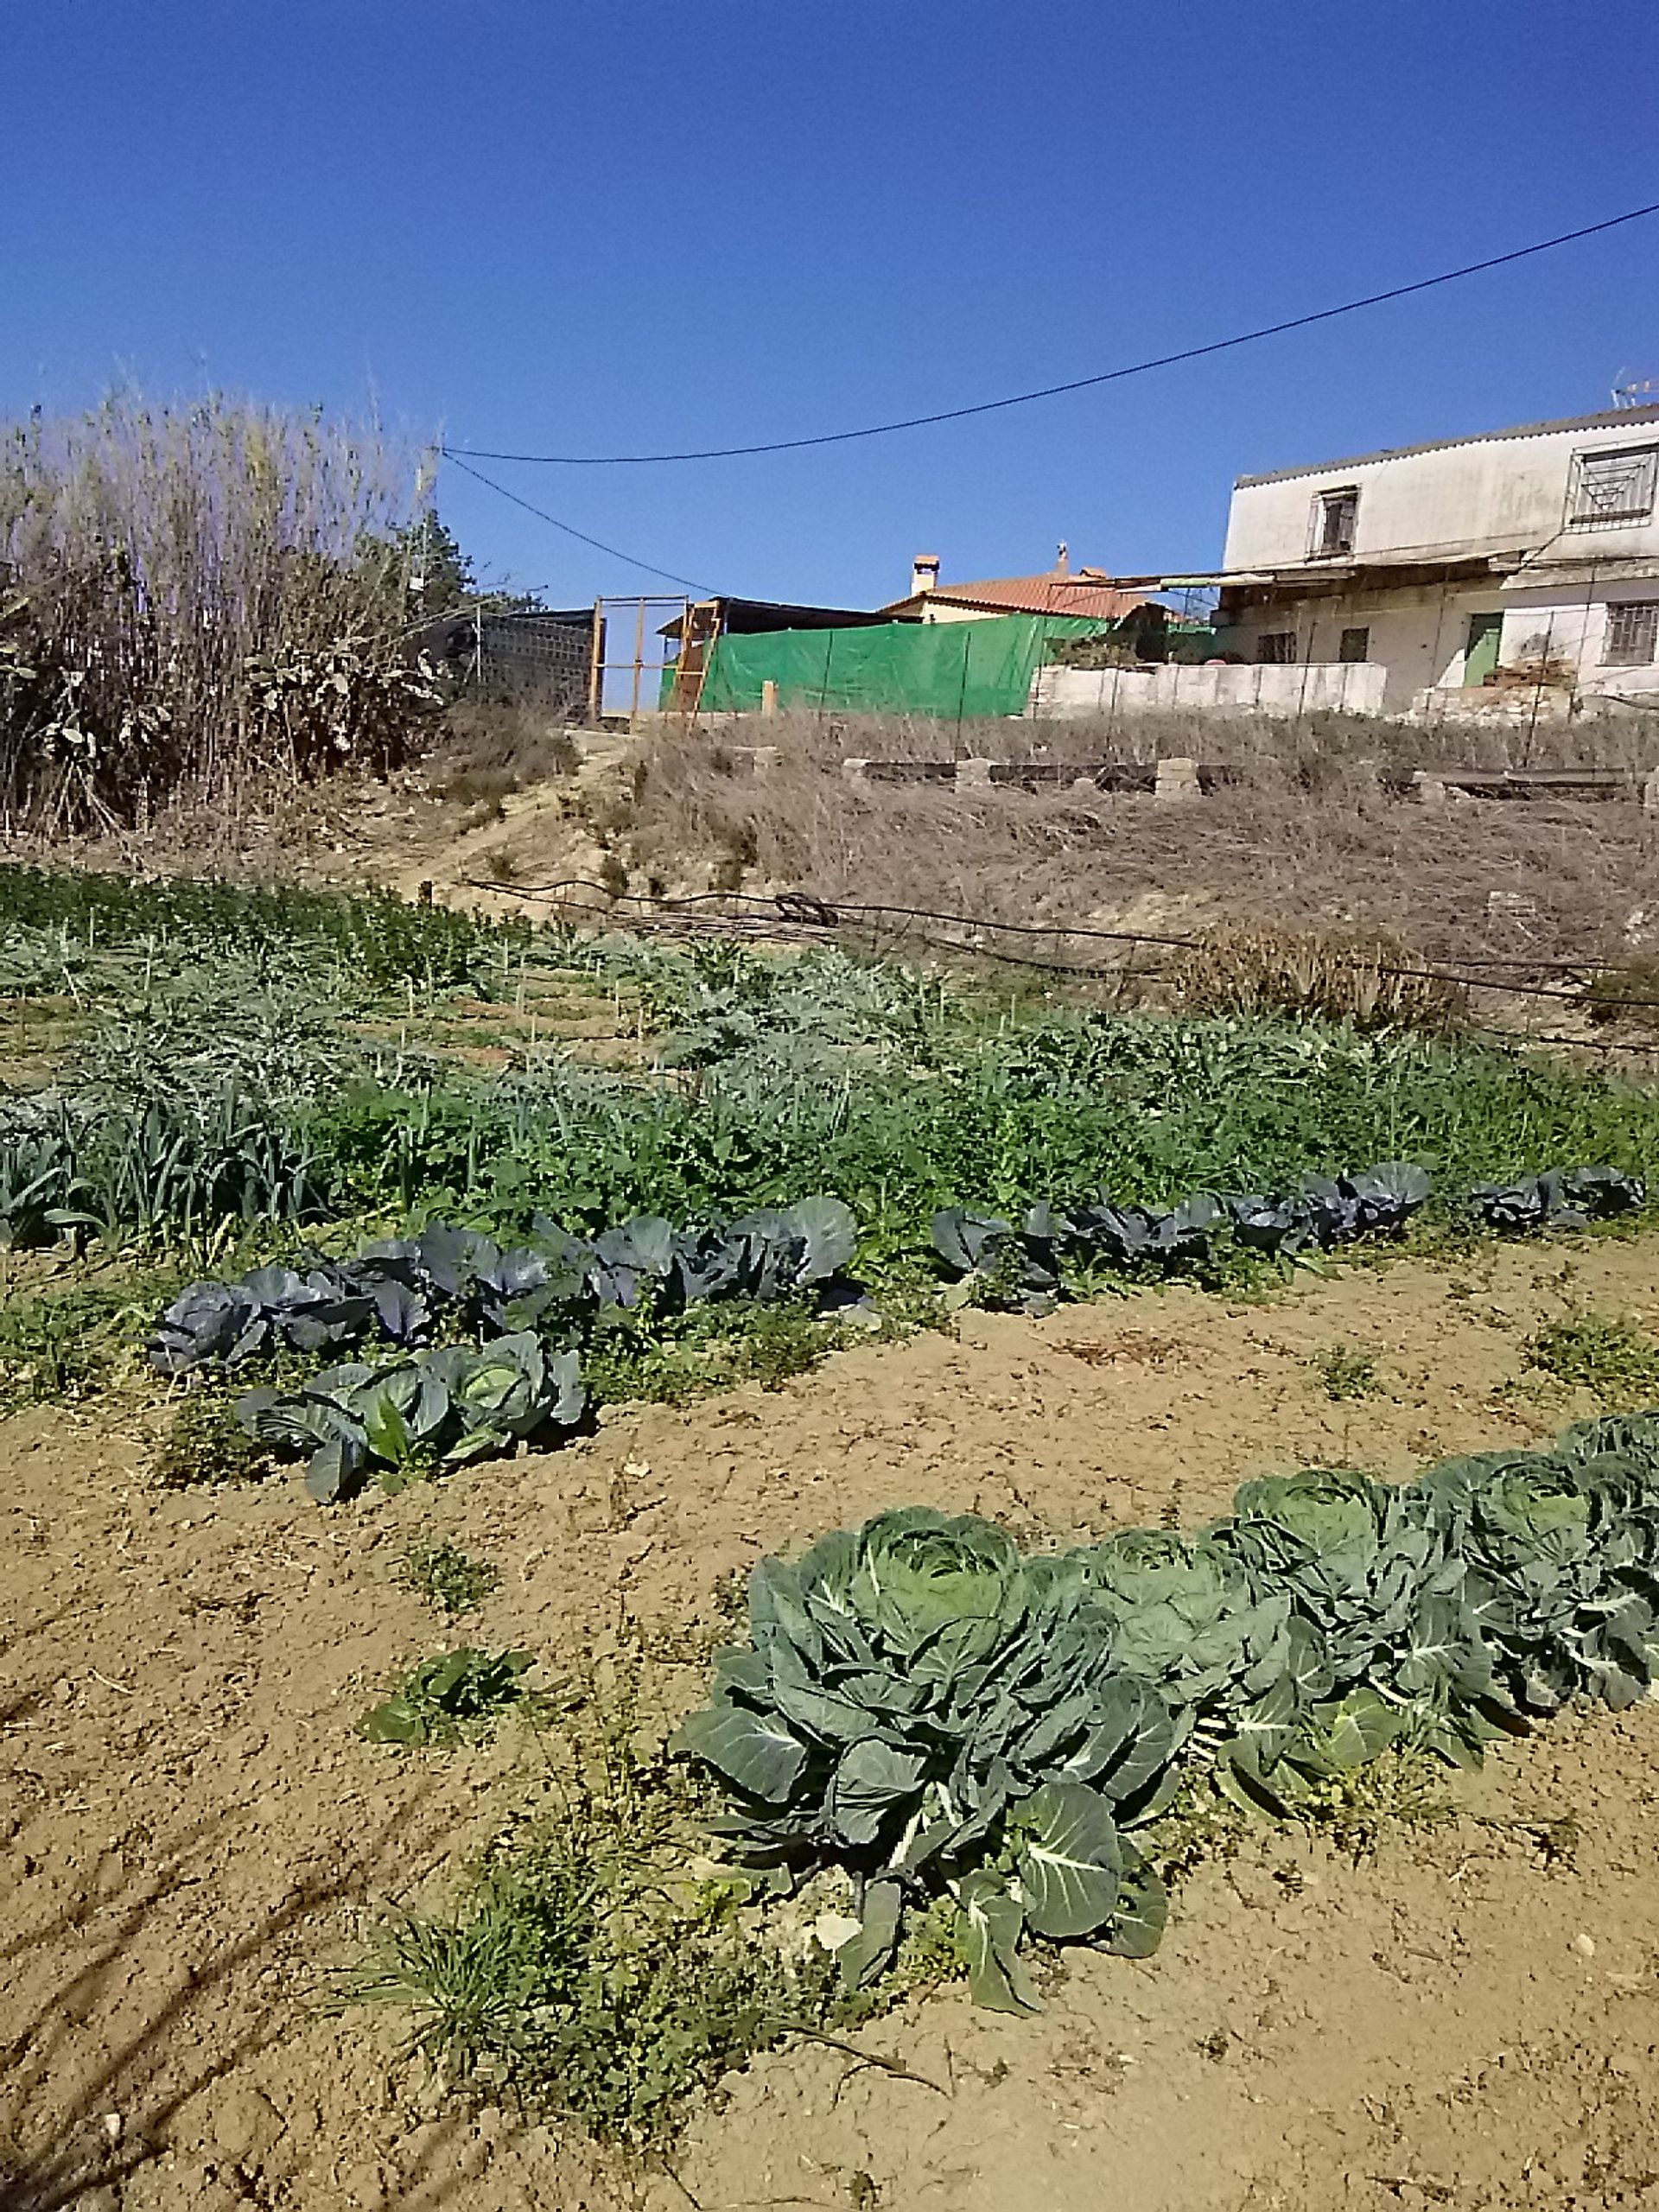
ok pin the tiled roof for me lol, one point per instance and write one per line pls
(1053, 594)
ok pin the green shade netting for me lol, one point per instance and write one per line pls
(946, 670)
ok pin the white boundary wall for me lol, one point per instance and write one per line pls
(1278, 690)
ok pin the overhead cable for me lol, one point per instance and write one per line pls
(1055, 391)
(706, 591)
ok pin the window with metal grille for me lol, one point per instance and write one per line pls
(1633, 634)
(1612, 488)
(1275, 647)
(1356, 644)
(1336, 518)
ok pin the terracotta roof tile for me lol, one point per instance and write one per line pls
(1052, 593)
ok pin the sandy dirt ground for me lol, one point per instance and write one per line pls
(193, 1835)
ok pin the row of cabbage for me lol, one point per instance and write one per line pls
(997, 1261)
(514, 1319)
(937, 1716)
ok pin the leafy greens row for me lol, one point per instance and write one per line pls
(996, 1263)
(923, 1707)
(402, 1288)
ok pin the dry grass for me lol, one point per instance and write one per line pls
(1530, 879)
(494, 745)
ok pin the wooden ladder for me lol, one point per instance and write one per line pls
(698, 634)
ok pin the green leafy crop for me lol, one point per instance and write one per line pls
(942, 1718)
(937, 1714)
(452, 1698)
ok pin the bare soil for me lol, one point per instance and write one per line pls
(192, 1835)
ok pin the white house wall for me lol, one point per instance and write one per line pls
(1572, 626)
(1506, 491)
(1417, 633)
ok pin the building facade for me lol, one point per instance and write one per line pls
(1467, 570)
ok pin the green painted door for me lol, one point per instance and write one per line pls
(1480, 654)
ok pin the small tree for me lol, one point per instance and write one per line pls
(441, 578)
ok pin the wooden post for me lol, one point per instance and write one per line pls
(639, 662)
(769, 696)
(596, 667)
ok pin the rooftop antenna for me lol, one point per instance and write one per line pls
(1636, 392)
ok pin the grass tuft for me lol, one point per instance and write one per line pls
(594, 1968)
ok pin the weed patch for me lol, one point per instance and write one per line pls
(56, 1350)
(204, 1442)
(1346, 1372)
(593, 1968)
(1356, 1810)
(1609, 1357)
(635, 1358)
(444, 1575)
(457, 1698)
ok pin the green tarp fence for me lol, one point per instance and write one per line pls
(949, 671)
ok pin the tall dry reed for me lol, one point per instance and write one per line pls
(197, 598)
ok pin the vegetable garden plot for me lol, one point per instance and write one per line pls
(923, 1707)
(768, 1077)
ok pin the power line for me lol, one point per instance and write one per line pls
(616, 554)
(1076, 384)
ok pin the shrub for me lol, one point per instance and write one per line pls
(1371, 981)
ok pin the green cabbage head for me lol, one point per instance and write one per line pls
(1327, 1509)
(1178, 1609)
(920, 1571)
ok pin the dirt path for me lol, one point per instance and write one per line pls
(192, 1833)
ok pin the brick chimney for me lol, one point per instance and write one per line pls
(923, 574)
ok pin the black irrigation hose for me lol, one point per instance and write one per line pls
(555, 893)
(829, 910)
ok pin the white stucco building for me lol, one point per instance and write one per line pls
(1451, 567)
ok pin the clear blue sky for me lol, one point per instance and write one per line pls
(540, 225)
